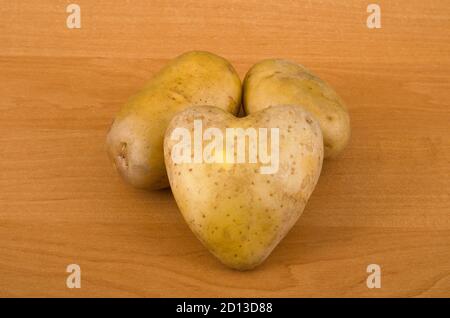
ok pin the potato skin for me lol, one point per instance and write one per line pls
(135, 139)
(239, 214)
(276, 82)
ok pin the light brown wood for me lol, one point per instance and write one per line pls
(385, 200)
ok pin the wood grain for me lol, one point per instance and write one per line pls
(385, 200)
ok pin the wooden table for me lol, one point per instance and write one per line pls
(385, 200)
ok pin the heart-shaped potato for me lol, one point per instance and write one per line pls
(238, 208)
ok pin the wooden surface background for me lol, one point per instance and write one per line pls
(385, 200)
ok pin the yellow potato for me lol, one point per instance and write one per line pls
(277, 82)
(239, 211)
(135, 140)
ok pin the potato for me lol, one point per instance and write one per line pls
(238, 210)
(276, 82)
(135, 140)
